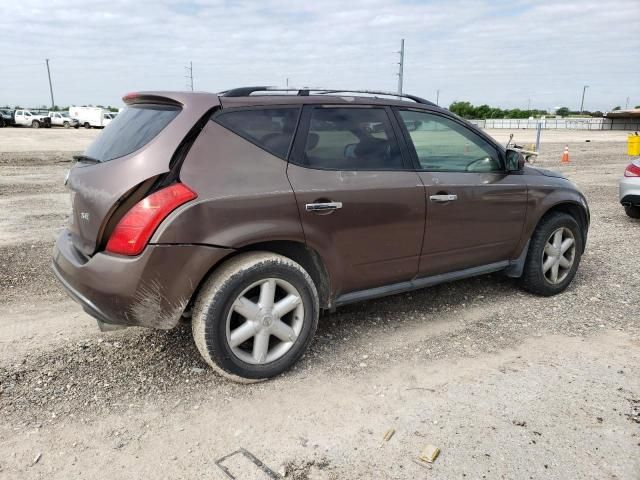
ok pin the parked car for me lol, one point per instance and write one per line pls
(630, 189)
(25, 118)
(63, 119)
(88, 117)
(250, 211)
(6, 117)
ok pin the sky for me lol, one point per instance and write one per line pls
(509, 54)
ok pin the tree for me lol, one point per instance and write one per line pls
(617, 107)
(563, 111)
(464, 109)
(637, 106)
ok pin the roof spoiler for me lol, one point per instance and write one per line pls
(144, 97)
(306, 91)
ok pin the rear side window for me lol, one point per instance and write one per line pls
(131, 130)
(270, 128)
(351, 139)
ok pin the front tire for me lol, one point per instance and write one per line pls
(554, 255)
(87, 125)
(255, 316)
(35, 124)
(66, 124)
(632, 211)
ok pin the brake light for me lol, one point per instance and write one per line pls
(130, 96)
(135, 229)
(632, 170)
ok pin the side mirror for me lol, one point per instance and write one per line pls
(515, 160)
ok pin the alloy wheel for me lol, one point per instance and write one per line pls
(558, 255)
(264, 321)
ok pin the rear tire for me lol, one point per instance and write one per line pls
(87, 125)
(549, 267)
(632, 211)
(35, 124)
(244, 299)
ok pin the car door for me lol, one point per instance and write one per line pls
(475, 207)
(362, 207)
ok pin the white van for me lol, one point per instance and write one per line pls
(88, 117)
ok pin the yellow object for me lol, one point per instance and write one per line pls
(429, 453)
(633, 144)
(387, 435)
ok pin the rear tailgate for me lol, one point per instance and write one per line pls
(133, 150)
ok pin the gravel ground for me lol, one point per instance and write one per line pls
(507, 384)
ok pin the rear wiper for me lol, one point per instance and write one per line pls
(86, 159)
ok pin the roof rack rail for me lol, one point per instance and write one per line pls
(306, 91)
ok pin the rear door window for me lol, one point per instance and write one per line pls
(271, 129)
(351, 139)
(136, 126)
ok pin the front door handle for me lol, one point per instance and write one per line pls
(323, 206)
(443, 198)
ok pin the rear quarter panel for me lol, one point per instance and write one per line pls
(244, 195)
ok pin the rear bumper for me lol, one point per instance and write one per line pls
(150, 290)
(630, 191)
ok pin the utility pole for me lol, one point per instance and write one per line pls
(401, 67)
(584, 89)
(189, 76)
(50, 86)
(626, 105)
(529, 104)
(438, 97)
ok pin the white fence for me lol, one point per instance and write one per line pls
(629, 124)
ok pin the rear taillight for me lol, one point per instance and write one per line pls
(632, 170)
(133, 232)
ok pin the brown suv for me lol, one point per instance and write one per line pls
(251, 210)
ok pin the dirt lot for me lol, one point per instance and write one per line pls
(508, 385)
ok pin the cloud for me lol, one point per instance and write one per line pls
(501, 53)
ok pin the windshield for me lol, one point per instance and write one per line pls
(131, 130)
(65, 114)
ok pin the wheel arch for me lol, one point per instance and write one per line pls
(300, 253)
(576, 210)
(572, 208)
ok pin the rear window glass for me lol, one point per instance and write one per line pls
(270, 128)
(131, 130)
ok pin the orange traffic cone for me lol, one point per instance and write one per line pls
(565, 155)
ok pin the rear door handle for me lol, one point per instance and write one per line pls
(443, 198)
(323, 206)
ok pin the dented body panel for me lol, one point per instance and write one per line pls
(149, 290)
(244, 196)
